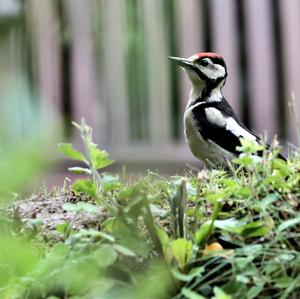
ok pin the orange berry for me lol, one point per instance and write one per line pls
(211, 248)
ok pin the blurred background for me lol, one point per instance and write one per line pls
(106, 61)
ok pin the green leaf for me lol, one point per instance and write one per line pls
(247, 230)
(282, 166)
(195, 272)
(124, 250)
(165, 243)
(80, 170)
(268, 200)
(230, 224)
(191, 294)
(254, 229)
(63, 227)
(254, 292)
(220, 294)
(182, 250)
(289, 223)
(105, 255)
(242, 278)
(68, 150)
(214, 196)
(243, 160)
(99, 158)
(110, 182)
(253, 250)
(85, 186)
(249, 146)
(201, 234)
(93, 233)
(284, 282)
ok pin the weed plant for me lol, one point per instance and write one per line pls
(219, 234)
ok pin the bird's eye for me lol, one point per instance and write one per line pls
(204, 62)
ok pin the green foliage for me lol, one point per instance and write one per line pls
(219, 235)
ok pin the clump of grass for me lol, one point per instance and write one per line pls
(217, 234)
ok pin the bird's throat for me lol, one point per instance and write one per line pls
(205, 94)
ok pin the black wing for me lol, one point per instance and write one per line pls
(226, 135)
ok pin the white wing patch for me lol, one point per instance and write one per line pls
(215, 116)
(237, 130)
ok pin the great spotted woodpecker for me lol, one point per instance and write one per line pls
(212, 129)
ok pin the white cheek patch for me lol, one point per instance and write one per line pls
(215, 117)
(213, 71)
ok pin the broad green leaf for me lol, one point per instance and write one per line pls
(85, 186)
(68, 150)
(286, 257)
(243, 160)
(254, 229)
(247, 230)
(189, 294)
(220, 294)
(284, 282)
(182, 250)
(63, 227)
(282, 166)
(254, 292)
(105, 255)
(230, 224)
(99, 158)
(214, 196)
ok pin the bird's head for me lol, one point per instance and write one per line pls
(204, 69)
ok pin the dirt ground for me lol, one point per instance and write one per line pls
(43, 213)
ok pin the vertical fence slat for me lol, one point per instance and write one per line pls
(113, 71)
(190, 38)
(82, 61)
(290, 16)
(158, 76)
(46, 52)
(225, 43)
(261, 66)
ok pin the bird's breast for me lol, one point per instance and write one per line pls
(193, 136)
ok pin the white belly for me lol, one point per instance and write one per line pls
(207, 151)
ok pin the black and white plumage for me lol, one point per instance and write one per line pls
(212, 129)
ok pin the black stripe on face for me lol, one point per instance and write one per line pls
(199, 73)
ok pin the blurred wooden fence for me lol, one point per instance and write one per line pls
(122, 83)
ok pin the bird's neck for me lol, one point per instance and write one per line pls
(203, 93)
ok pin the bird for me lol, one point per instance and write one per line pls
(211, 127)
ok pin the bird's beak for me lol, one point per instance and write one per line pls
(181, 61)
